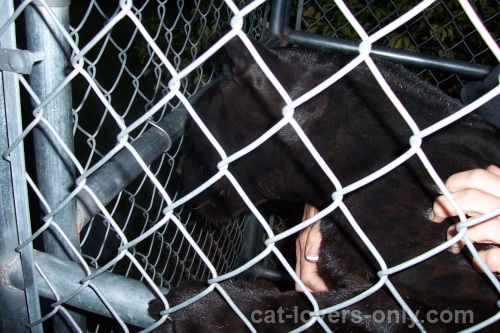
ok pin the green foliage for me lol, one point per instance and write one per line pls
(443, 29)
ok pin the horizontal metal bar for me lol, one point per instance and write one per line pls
(128, 297)
(117, 173)
(271, 274)
(412, 59)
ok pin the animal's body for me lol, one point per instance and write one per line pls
(357, 130)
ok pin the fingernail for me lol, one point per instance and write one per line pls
(432, 216)
(312, 258)
(312, 253)
(494, 169)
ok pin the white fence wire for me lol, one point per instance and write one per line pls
(131, 63)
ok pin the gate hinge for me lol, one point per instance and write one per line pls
(18, 61)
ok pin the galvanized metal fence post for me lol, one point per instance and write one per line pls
(23, 306)
(55, 170)
(14, 317)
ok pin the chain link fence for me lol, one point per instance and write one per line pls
(442, 30)
(94, 222)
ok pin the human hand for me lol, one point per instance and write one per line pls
(307, 253)
(476, 192)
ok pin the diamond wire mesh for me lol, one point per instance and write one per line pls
(133, 82)
(116, 78)
(288, 112)
(131, 71)
(443, 29)
(136, 59)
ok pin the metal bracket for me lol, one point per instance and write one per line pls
(18, 61)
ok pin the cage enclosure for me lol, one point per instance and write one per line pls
(95, 96)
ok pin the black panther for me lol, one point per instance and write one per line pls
(357, 130)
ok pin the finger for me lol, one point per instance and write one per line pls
(487, 232)
(313, 242)
(458, 246)
(298, 271)
(493, 169)
(491, 258)
(298, 256)
(484, 180)
(306, 270)
(309, 211)
(309, 276)
(487, 181)
(307, 253)
(300, 244)
(473, 202)
(309, 268)
(312, 253)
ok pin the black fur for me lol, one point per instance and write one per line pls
(357, 130)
